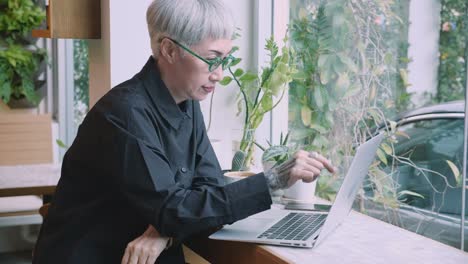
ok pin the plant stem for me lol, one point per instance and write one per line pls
(243, 95)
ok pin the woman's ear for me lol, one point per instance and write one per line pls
(168, 50)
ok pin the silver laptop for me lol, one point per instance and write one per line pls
(304, 229)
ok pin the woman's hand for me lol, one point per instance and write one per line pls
(146, 248)
(305, 166)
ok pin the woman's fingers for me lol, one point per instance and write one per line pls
(326, 163)
(133, 257)
(307, 166)
(305, 175)
(126, 257)
(152, 259)
(303, 165)
(142, 253)
(320, 161)
(146, 248)
(129, 256)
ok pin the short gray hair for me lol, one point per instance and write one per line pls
(188, 21)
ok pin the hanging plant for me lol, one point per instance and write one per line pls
(18, 71)
(20, 58)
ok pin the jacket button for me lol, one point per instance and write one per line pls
(183, 170)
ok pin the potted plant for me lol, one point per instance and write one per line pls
(260, 93)
(21, 61)
(272, 156)
(275, 155)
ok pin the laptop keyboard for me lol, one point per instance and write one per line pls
(295, 226)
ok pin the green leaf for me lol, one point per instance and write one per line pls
(61, 144)
(411, 193)
(226, 80)
(306, 115)
(5, 92)
(388, 58)
(375, 115)
(380, 174)
(402, 134)
(247, 77)
(349, 63)
(271, 47)
(393, 126)
(388, 150)
(259, 146)
(238, 72)
(300, 75)
(318, 97)
(382, 156)
(330, 119)
(286, 138)
(325, 76)
(303, 13)
(342, 83)
(404, 77)
(339, 67)
(318, 128)
(274, 151)
(323, 60)
(321, 141)
(266, 102)
(352, 91)
(301, 133)
(235, 62)
(455, 171)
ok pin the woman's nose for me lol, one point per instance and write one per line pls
(216, 75)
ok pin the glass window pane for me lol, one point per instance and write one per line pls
(364, 65)
(81, 80)
(427, 179)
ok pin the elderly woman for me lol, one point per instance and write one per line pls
(142, 168)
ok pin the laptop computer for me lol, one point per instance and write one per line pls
(304, 229)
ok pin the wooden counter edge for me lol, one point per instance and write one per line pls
(218, 251)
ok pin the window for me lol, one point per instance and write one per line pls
(70, 86)
(427, 179)
(81, 81)
(367, 63)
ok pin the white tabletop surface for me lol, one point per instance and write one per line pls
(29, 175)
(362, 239)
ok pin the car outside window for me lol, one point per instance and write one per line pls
(427, 188)
(430, 147)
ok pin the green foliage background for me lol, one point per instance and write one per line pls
(352, 55)
(20, 58)
(453, 51)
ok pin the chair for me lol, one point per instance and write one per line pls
(25, 139)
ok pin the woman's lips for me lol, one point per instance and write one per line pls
(208, 89)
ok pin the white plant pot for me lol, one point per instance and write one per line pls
(301, 192)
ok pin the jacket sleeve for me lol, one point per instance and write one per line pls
(206, 162)
(146, 180)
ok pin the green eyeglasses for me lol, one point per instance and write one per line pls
(213, 64)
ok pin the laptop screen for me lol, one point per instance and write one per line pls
(357, 171)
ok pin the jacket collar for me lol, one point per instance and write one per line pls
(161, 97)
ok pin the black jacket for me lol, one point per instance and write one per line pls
(139, 159)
